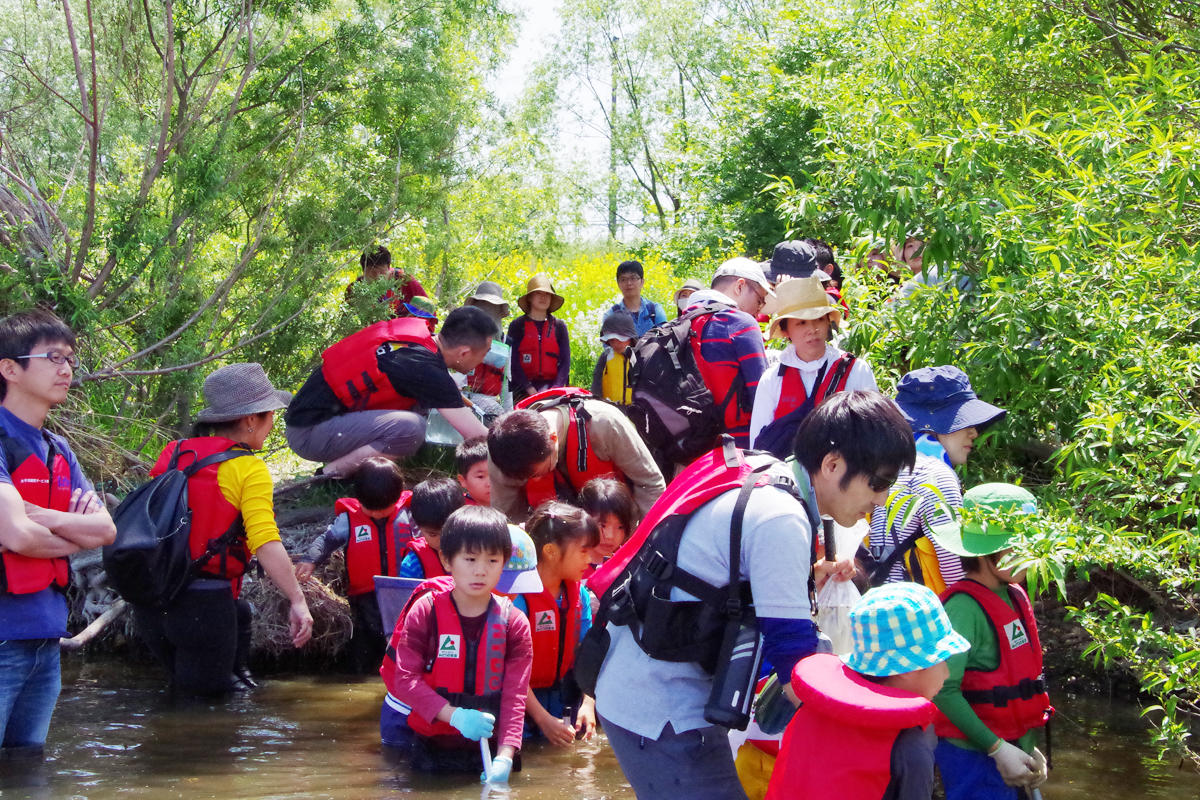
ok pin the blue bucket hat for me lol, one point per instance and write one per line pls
(940, 399)
(900, 628)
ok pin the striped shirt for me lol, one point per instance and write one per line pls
(928, 471)
(731, 339)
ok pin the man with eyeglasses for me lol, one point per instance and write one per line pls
(731, 357)
(645, 313)
(48, 511)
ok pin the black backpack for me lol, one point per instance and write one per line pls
(673, 410)
(150, 561)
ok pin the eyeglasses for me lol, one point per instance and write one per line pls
(879, 484)
(629, 278)
(56, 357)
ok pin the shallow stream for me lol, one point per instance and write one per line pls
(114, 736)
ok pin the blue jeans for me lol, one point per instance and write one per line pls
(971, 775)
(30, 681)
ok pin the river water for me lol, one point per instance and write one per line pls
(115, 736)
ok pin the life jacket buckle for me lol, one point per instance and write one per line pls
(658, 566)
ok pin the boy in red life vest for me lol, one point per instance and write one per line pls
(377, 266)
(564, 439)
(862, 728)
(460, 657)
(995, 698)
(47, 512)
(471, 461)
(810, 370)
(432, 503)
(540, 344)
(375, 528)
(559, 616)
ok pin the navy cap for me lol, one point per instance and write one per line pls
(940, 399)
(796, 258)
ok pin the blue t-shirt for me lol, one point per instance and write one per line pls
(41, 615)
(649, 315)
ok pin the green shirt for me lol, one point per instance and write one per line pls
(969, 619)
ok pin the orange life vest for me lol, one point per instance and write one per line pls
(368, 551)
(351, 366)
(445, 670)
(538, 352)
(555, 633)
(831, 379)
(46, 484)
(212, 514)
(1011, 699)
(431, 562)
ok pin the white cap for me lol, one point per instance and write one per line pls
(743, 267)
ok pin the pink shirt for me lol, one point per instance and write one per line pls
(414, 644)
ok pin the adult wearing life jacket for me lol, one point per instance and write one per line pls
(728, 344)
(651, 700)
(377, 266)
(369, 396)
(541, 343)
(64, 516)
(492, 377)
(809, 370)
(995, 699)
(557, 441)
(202, 638)
(862, 727)
(375, 527)
(946, 417)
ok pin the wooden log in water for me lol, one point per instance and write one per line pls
(92, 631)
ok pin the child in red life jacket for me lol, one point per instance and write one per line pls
(559, 616)
(862, 728)
(541, 344)
(460, 657)
(471, 461)
(995, 698)
(609, 503)
(375, 527)
(433, 501)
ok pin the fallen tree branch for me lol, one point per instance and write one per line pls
(92, 631)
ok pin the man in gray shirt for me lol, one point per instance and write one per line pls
(849, 451)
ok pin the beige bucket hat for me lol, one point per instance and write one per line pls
(801, 298)
(540, 283)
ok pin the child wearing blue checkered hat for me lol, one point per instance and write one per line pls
(863, 726)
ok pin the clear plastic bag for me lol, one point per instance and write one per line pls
(836, 598)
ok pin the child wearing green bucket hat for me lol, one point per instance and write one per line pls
(862, 728)
(995, 699)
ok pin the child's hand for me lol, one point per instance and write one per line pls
(304, 571)
(473, 724)
(585, 720)
(560, 735)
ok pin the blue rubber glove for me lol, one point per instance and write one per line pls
(473, 724)
(501, 770)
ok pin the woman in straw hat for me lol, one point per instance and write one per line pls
(808, 371)
(203, 637)
(540, 343)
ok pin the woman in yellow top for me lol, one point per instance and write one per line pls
(203, 637)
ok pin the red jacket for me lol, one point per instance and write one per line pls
(367, 552)
(351, 366)
(838, 745)
(1011, 699)
(46, 484)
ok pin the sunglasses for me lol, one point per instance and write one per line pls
(879, 484)
(56, 357)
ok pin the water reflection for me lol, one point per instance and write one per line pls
(115, 736)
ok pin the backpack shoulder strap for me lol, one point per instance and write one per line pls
(215, 458)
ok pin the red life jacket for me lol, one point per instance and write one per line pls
(538, 353)
(351, 366)
(839, 743)
(445, 670)
(487, 379)
(720, 378)
(831, 379)
(1011, 699)
(367, 552)
(579, 464)
(555, 634)
(212, 514)
(46, 484)
(431, 562)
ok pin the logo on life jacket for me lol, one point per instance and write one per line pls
(362, 533)
(448, 646)
(526, 358)
(1016, 634)
(545, 622)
